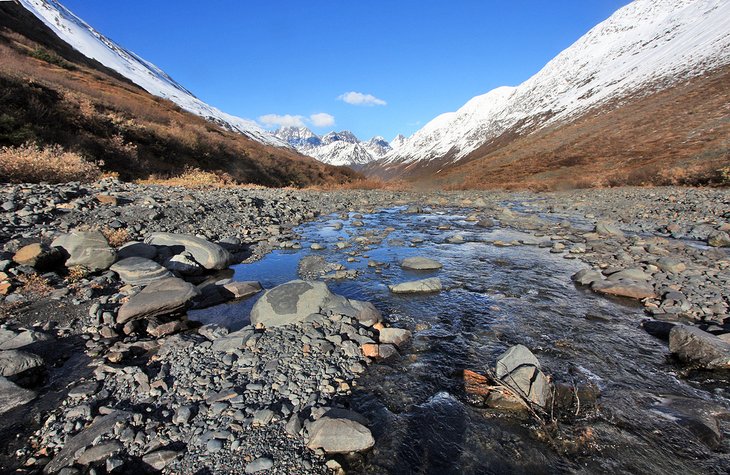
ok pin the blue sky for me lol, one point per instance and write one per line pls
(408, 61)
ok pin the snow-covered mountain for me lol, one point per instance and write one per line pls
(643, 47)
(335, 148)
(82, 37)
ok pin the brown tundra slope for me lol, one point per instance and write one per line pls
(680, 135)
(51, 94)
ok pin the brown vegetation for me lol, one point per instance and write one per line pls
(116, 237)
(35, 284)
(370, 183)
(678, 136)
(29, 163)
(52, 95)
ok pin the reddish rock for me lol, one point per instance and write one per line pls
(370, 350)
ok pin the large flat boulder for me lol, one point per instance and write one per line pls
(140, 271)
(89, 249)
(38, 255)
(693, 345)
(166, 296)
(14, 362)
(12, 395)
(339, 435)
(11, 340)
(520, 370)
(209, 255)
(625, 288)
(422, 286)
(291, 302)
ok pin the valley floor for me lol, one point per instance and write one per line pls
(83, 387)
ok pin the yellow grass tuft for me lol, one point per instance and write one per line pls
(29, 163)
(196, 178)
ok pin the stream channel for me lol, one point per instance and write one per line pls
(648, 417)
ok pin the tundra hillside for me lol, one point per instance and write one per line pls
(54, 96)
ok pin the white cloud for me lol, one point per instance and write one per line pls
(322, 119)
(360, 99)
(286, 120)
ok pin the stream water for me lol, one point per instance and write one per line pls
(648, 419)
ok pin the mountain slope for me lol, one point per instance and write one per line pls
(642, 49)
(93, 44)
(53, 95)
(335, 148)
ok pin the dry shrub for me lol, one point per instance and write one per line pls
(35, 284)
(116, 237)
(193, 178)
(77, 274)
(31, 164)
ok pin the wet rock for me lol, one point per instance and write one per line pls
(394, 336)
(88, 249)
(365, 312)
(587, 276)
(290, 303)
(140, 271)
(312, 267)
(12, 395)
(520, 370)
(420, 263)
(698, 416)
(625, 288)
(632, 274)
(166, 296)
(241, 290)
(658, 328)
(387, 351)
(485, 223)
(339, 435)
(209, 255)
(692, 345)
(14, 362)
(417, 286)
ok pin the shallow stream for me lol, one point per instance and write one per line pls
(648, 418)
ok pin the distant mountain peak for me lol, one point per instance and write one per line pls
(335, 148)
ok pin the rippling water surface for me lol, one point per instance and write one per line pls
(648, 419)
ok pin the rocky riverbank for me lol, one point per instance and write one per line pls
(101, 369)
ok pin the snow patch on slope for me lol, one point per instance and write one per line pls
(82, 37)
(648, 42)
